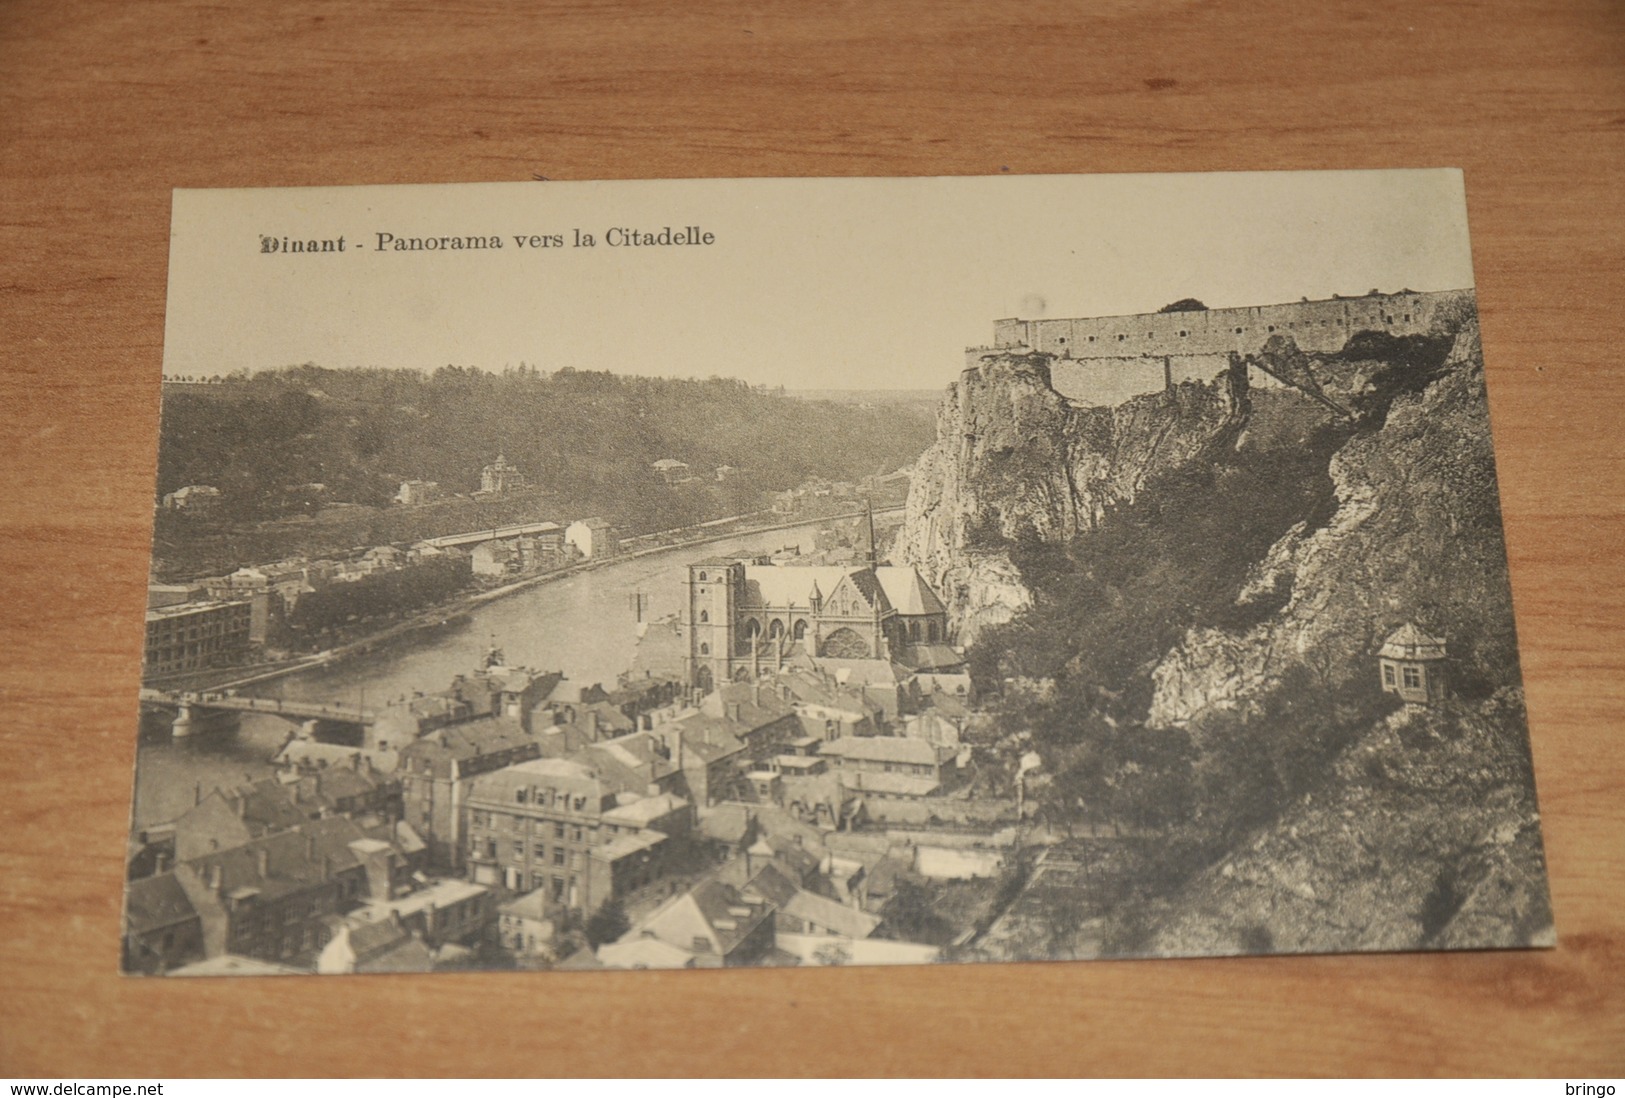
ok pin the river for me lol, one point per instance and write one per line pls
(583, 624)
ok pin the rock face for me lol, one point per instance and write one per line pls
(1014, 459)
(1416, 536)
(1425, 836)
(1425, 831)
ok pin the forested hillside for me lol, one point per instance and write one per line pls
(284, 442)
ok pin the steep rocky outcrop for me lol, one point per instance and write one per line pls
(1416, 536)
(1424, 835)
(1424, 829)
(1014, 460)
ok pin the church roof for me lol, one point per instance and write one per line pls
(1410, 643)
(790, 585)
(888, 587)
(907, 592)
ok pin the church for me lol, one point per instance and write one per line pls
(746, 618)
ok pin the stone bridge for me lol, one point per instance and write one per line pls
(196, 711)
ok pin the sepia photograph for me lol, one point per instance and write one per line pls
(794, 572)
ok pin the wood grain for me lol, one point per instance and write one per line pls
(105, 107)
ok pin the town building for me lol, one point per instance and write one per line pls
(1412, 666)
(403, 720)
(160, 595)
(268, 899)
(499, 478)
(438, 913)
(735, 731)
(162, 930)
(890, 766)
(713, 925)
(800, 911)
(415, 493)
(372, 947)
(592, 538)
(674, 471)
(195, 636)
(529, 925)
(563, 826)
(437, 770)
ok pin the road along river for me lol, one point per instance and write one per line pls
(583, 624)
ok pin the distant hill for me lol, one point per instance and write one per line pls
(587, 439)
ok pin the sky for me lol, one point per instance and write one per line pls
(808, 283)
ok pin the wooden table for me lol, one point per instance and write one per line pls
(106, 106)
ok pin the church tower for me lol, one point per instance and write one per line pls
(714, 588)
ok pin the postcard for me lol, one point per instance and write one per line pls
(778, 572)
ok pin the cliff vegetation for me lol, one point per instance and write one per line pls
(1192, 588)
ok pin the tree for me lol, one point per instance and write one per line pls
(607, 924)
(1184, 305)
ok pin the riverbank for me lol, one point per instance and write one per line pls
(446, 615)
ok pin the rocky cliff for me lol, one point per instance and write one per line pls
(1423, 830)
(1340, 820)
(1013, 460)
(1424, 835)
(1416, 536)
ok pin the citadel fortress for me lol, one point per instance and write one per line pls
(1107, 360)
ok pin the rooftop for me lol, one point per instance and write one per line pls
(883, 749)
(1410, 643)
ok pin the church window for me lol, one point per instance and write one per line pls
(1121, 338)
(1238, 331)
(1091, 339)
(702, 577)
(705, 616)
(705, 649)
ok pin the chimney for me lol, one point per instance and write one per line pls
(262, 862)
(310, 846)
(161, 864)
(242, 806)
(756, 694)
(214, 878)
(197, 793)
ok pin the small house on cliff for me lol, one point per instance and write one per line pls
(1412, 665)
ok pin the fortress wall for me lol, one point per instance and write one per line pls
(1111, 381)
(1315, 325)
